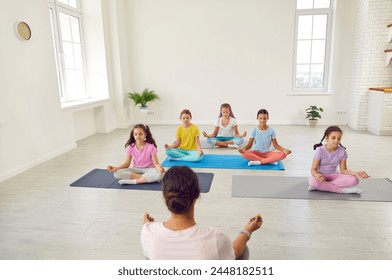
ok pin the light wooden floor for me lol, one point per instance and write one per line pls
(41, 217)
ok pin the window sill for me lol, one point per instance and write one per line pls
(310, 93)
(84, 104)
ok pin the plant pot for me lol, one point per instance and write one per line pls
(143, 109)
(312, 123)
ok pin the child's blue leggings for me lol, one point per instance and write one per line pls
(236, 140)
(185, 155)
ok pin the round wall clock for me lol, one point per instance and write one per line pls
(22, 30)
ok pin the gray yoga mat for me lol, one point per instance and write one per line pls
(286, 187)
(101, 178)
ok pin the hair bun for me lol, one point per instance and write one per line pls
(177, 204)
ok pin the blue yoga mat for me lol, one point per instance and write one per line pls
(101, 178)
(223, 162)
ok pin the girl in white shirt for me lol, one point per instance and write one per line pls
(180, 237)
(226, 132)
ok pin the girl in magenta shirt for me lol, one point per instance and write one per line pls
(325, 161)
(141, 154)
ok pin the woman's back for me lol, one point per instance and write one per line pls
(196, 243)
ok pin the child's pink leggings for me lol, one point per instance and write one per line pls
(334, 182)
(264, 158)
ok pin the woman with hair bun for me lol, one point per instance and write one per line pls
(180, 237)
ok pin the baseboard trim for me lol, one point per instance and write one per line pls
(27, 166)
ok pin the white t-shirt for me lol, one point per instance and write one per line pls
(195, 243)
(226, 131)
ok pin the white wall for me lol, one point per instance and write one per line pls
(34, 128)
(199, 54)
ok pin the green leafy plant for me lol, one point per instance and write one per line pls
(143, 98)
(313, 112)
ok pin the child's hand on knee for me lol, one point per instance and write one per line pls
(320, 178)
(111, 168)
(363, 175)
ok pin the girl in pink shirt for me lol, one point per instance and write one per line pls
(141, 151)
(325, 161)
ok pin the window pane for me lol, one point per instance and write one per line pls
(65, 27)
(78, 56)
(302, 76)
(71, 3)
(75, 29)
(320, 26)
(70, 84)
(318, 51)
(63, 1)
(79, 75)
(319, 4)
(317, 75)
(303, 51)
(68, 55)
(305, 27)
(304, 4)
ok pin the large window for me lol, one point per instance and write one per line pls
(312, 45)
(66, 20)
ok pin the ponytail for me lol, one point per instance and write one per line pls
(149, 138)
(315, 146)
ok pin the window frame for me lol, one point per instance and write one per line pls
(327, 55)
(55, 8)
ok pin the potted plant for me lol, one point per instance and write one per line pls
(143, 98)
(313, 114)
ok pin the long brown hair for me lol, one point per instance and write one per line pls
(227, 106)
(146, 129)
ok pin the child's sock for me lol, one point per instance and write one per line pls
(233, 146)
(274, 163)
(254, 162)
(127, 182)
(351, 190)
(310, 188)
